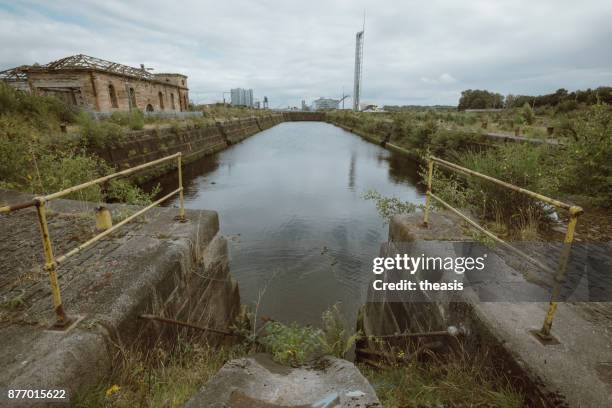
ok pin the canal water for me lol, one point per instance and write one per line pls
(290, 202)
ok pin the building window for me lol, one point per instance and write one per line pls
(182, 82)
(172, 101)
(149, 108)
(113, 96)
(133, 98)
(161, 101)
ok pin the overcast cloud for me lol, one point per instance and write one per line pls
(416, 52)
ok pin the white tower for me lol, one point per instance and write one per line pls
(358, 63)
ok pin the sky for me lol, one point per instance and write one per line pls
(415, 52)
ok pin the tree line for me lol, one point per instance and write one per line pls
(562, 99)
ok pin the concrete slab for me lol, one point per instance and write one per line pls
(146, 267)
(576, 372)
(258, 381)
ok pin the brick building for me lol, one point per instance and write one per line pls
(102, 86)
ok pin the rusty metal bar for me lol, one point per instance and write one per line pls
(419, 334)
(428, 194)
(187, 324)
(574, 211)
(15, 207)
(492, 236)
(544, 333)
(51, 262)
(180, 185)
(109, 177)
(51, 265)
(62, 259)
(512, 187)
(32, 203)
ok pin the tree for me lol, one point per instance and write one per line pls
(480, 99)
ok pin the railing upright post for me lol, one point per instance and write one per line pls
(181, 216)
(428, 194)
(50, 264)
(544, 333)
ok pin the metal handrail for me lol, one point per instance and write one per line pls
(52, 262)
(574, 212)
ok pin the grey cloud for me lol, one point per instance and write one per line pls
(418, 52)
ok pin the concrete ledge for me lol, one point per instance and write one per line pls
(577, 372)
(145, 267)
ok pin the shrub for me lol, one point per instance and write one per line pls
(293, 345)
(99, 134)
(137, 120)
(420, 136)
(588, 156)
(134, 120)
(389, 206)
(519, 164)
(44, 112)
(123, 191)
(527, 114)
(338, 338)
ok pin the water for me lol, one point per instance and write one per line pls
(290, 203)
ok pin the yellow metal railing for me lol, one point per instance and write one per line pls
(52, 262)
(574, 212)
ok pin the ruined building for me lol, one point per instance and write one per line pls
(102, 86)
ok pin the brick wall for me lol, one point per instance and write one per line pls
(93, 91)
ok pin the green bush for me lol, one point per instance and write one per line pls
(527, 114)
(134, 120)
(122, 191)
(522, 165)
(39, 163)
(293, 345)
(99, 134)
(44, 112)
(586, 163)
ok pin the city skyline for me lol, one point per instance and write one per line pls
(423, 53)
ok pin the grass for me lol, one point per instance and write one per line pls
(171, 372)
(162, 376)
(458, 379)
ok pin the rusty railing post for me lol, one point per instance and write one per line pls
(50, 264)
(544, 333)
(428, 194)
(181, 215)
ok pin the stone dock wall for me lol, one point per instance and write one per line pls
(193, 140)
(382, 134)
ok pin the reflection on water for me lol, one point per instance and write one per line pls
(290, 202)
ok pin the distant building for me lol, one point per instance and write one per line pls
(371, 108)
(242, 97)
(102, 86)
(325, 104)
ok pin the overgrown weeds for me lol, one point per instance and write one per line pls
(36, 157)
(297, 345)
(457, 379)
(161, 376)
